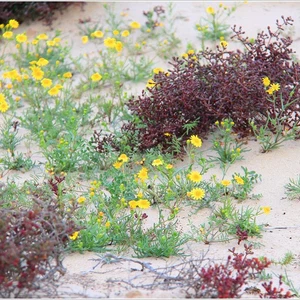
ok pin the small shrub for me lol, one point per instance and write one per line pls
(213, 85)
(32, 243)
(25, 11)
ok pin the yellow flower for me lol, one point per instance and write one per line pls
(110, 42)
(167, 134)
(185, 55)
(157, 70)
(266, 81)
(2, 97)
(37, 73)
(210, 10)
(135, 25)
(9, 86)
(50, 44)
(7, 34)
(266, 209)
(42, 36)
(46, 82)
(96, 77)
(133, 204)
(13, 23)
(225, 182)
(56, 40)
(42, 62)
(150, 83)
(143, 203)
(34, 42)
(67, 75)
(107, 224)
(98, 34)
(157, 162)
(118, 164)
(139, 195)
(21, 38)
(224, 44)
(54, 91)
(197, 194)
(125, 33)
(196, 141)
(143, 174)
(275, 86)
(124, 158)
(74, 236)
(194, 176)
(101, 214)
(239, 180)
(4, 106)
(116, 32)
(191, 52)
(119, 46)
(169, 166)
(81, 199)
(84, 39)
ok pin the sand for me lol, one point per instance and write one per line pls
(83, 279)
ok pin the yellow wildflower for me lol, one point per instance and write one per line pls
(107, 224)
(123, 157)
(266, 81)
(125, 33)
(54, 91)
(116, 32)
(143, 174)
(37, 73)
(42, 36)
(150, 83)
(239, 180)
(135, 25)
(67, 75)
(225, 182)
(9, 86)
(84, 39)
(157, 162)
(7, 34)
(196, 141)
(42, 62)
(21, 38)
(81, 200)
(194, 176)
(46, 82)
(143, 203)
(157, 70)
(110, 42)
(13, 23)
(96, 77)
(275, 86)
(4, 106)
(118, 164)
(224, 44)
(74, 236)
(133, 204)
(119, 46)
(210, 10)
(266, 209)
(139, 195)
(197, 194)
(169, 166)
(98, 34)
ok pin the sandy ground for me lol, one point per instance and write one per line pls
(82, 279)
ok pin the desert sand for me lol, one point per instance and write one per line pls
(83, 279)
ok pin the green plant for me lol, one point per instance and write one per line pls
(292, 189)
(286, 260)
(278, 126)
(214, 27)
(226, 145)
(227, 222)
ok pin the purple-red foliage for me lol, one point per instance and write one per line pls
(26, 11)
(274, 292)
(226, 280)
(213, 85)
(31, 247)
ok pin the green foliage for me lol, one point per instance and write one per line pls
(292, 189)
